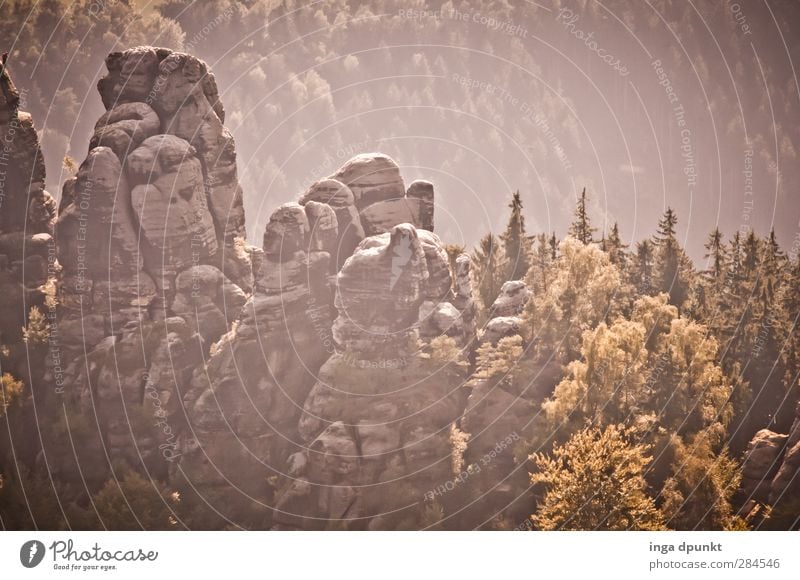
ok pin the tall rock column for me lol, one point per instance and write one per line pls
(27, 216)
(243, 406)
(150, 236)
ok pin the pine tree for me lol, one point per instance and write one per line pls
(581, 228)
(515, 241)
(734, 265)
(750, 255)
(489, 268)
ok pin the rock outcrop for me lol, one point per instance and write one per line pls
(243, 406)
(761, 464)
(380, 196)
(321, 402)
(376, 425)
(27, 217)
(150, 238)
(771, 467)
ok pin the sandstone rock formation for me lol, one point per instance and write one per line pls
(243, 406)
(321, 402)
(380, 196)
(376, 425)
(27, 215)
(771, 466)
(150, 237)
(762, 461)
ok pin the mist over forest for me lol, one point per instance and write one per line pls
(482, 97)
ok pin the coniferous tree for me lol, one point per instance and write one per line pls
(541, 262)
(734, 265)
(616, 249)
(673, 269)
(489, 266)
(516, 243)
(581, 228)
(553, 247)
(642, 272)
(716, 256)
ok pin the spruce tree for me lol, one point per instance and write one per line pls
(489, 266)
(643, 267)
(515, 241)
(581, 228)
(541, 261)
(673, 269)
(615, 248)
(716, 256)
(553, 247)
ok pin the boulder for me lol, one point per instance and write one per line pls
(512, 299)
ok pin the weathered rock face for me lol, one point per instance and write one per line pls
(771, 466)
(156, 196)
(513, 297)
(150, 237)
(380, 196)
(786, 484)
(382, 286)
(321, 403)
(27, 215)
(339, 197)
(376, 425)
(244, 405)
(763, 459)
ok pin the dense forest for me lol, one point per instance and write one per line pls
(596, 365)
(669, 368)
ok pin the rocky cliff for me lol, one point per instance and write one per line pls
(150, 237)
(27, 218)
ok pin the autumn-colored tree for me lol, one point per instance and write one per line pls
(595, 481)
(10, 392)
(698, 495)
(583, 291)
